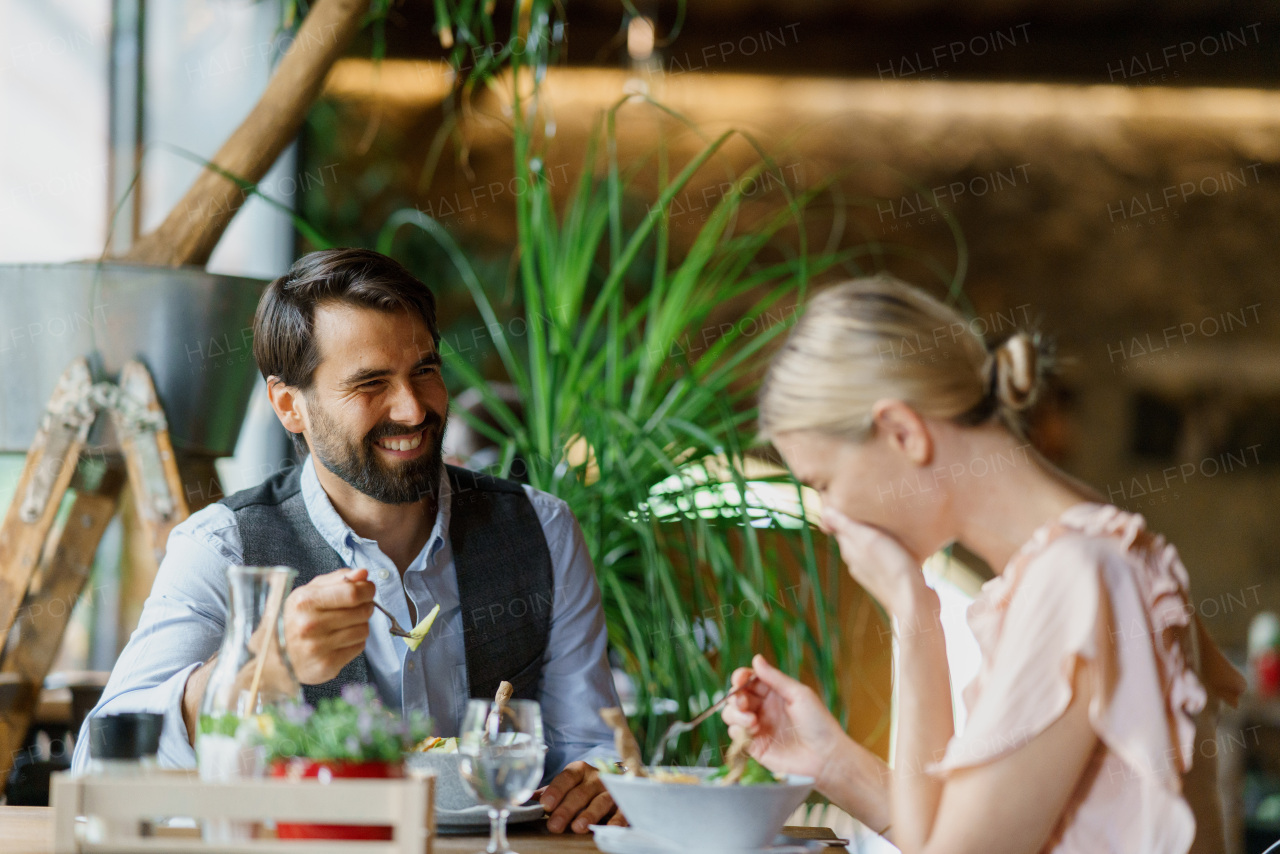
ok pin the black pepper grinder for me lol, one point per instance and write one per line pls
(125, 744)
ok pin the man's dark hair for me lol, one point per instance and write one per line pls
(284, 342)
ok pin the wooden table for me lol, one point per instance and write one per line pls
(29, 830)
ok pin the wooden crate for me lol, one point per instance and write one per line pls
(405, 804)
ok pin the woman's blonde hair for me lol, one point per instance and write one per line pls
(877, 338)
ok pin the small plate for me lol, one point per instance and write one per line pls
(627, 840)
(478, 816)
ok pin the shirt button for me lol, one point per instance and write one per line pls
(410, 665)
(383, 575)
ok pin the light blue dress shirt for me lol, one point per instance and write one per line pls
(183, 619)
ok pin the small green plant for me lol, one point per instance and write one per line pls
(355, 727)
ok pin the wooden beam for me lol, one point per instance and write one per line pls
(192, 229)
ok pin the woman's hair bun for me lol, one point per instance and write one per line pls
(1018, 367)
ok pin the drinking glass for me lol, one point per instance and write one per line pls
(501, 753)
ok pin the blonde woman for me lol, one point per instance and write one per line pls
(1098, 687)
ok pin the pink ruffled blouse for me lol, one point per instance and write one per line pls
(1096, 584)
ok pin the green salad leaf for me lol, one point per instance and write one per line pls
(604, 766)
(756, 774)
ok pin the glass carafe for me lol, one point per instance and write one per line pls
(251, 674)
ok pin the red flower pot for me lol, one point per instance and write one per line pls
(298, 769)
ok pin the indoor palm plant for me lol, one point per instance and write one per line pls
(645, 436)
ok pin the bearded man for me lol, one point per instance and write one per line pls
(349, 346)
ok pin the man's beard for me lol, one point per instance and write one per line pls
(358, 464)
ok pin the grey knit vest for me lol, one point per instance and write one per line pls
(499, 553)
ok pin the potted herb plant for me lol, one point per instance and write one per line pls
(354, 735)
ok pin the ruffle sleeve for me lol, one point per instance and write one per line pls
(1097, 586)
(1030, 644)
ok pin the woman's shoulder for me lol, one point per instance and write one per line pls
(1094, 564)
(1092, 544)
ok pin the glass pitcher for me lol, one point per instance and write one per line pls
(251, 674)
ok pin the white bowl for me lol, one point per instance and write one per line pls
(451, 793)
(706, 816)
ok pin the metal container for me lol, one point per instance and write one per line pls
(192, 329)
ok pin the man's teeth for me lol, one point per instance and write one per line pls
(401, 444)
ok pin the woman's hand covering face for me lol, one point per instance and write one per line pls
(877, 561)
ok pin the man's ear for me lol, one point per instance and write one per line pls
(904, 430)
(289, 404)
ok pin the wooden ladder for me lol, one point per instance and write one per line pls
(46, 551)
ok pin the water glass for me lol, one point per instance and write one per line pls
(500, 757)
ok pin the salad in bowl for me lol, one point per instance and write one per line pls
(741, 805)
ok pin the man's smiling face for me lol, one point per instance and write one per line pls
(376, 410)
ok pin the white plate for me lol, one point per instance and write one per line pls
(627, 840)
(478, 816)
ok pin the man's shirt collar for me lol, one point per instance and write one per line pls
(338, 534)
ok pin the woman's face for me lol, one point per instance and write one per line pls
(876, 482)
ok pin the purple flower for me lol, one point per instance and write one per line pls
(353, 746)
(354, 694)
(364, 723)
(297, 713)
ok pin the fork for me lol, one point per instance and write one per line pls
(396, 629)
(679, 728)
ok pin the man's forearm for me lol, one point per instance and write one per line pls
(192, 694)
